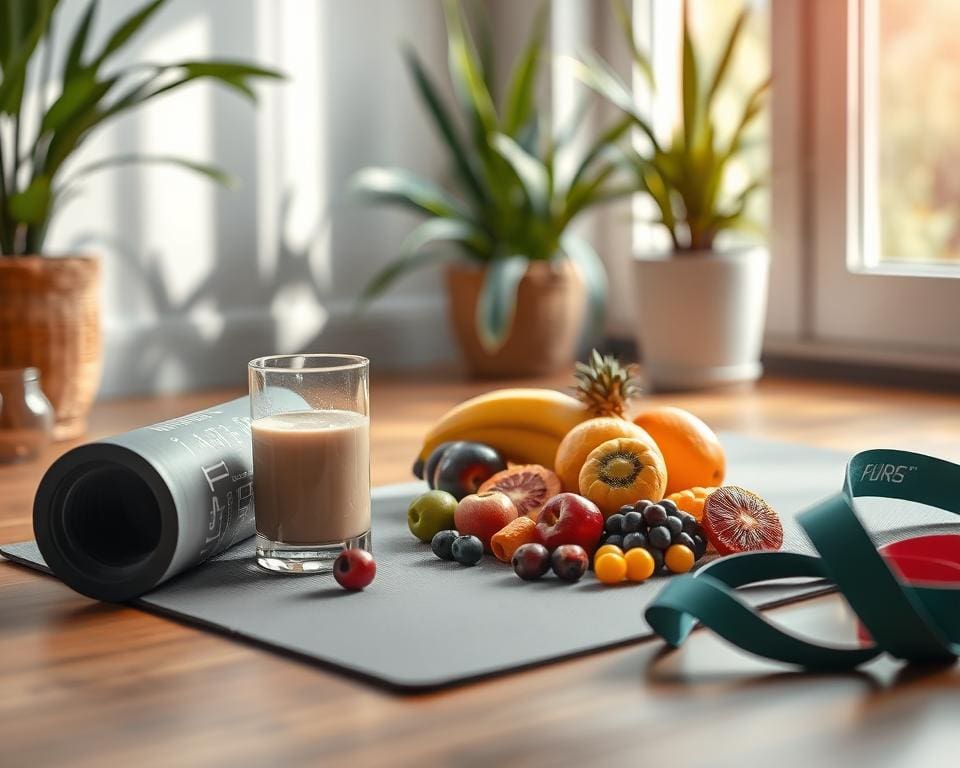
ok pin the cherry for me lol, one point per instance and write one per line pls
(354, 569)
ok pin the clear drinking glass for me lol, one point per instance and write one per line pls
(311, 459)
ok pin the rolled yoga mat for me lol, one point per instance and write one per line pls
(117, 517)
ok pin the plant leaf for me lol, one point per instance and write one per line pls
(604, 141)
(396, 185)
(413, 256)
(204, 169)
(690, 85)
(591, 269)
(77, 94)
(74, 61)
(519, 107)
(753, 107)
(725, 57)
(32, 204)
(466, 72)
(126, 29)
(530, 170)
(445, 125)
(15, 65)
(596, 74)
(640, 59)
(497, 303)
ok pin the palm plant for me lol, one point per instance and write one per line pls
(684, 175)
(88, 95)
(517, 184)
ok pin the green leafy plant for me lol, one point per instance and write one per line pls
(684, 175)
(90, 93)
(517, 185)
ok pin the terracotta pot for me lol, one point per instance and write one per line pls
(50, 319)
(551, 305)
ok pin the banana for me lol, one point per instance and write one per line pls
(520, 445)
(528, 418)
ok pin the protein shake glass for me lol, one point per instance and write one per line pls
(311, 459)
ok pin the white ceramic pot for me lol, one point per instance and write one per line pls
(700, 317)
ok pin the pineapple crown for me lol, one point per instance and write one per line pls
(604, 385)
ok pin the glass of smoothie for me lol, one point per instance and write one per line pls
(311, 459)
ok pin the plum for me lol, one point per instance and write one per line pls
(462, 467)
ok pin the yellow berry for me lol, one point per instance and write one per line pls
(679, 559)
(607, 549)
(640, 565)
(610, 568)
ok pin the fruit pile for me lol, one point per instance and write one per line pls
(543, 480)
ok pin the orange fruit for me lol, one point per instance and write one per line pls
(622, 471)
(529, 487)
(691, 450)
(691, 500)
(640, 564)
(578, 442)
(610, 568)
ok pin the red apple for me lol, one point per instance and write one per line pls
(483, 514)
(569, 518)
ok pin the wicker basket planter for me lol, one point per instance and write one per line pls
(551, 306)
(50, 319)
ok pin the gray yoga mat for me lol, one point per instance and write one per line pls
(425, 623)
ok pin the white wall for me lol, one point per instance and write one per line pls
(200, 279)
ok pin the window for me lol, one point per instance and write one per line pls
(865, 127)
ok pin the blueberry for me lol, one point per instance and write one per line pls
(690, 524)
(657, 556)
(614, 538)
(659, 537)
(467, 550)
(687, 540)
(626, 508)
(699, 545)
(641, 505)
(442, 544)
(674, 525)
(632, 522)
(633, 540)
(670, 506)
(655, 515)
(614, 523)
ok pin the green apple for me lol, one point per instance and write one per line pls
(430, 514)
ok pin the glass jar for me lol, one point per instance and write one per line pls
(26, 416)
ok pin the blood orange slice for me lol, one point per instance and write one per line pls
(737, 520)
(529, 486)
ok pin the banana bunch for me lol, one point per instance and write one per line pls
(525, 425)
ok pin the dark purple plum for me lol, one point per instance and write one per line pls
(569, 562)
(428, 467)
(464, 466)
(531, 561)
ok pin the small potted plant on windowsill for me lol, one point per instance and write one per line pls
(700, 309)
(519, 283)
(49, 305)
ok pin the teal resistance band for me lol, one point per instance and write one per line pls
(919, 624)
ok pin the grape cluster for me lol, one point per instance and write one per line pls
(654, 526)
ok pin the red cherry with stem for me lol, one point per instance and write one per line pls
(354, 569)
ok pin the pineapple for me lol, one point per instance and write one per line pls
(605, 386)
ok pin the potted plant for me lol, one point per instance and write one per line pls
(49, 306)
(518, 282)
(700, 309)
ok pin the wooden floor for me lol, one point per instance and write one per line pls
(83, 683)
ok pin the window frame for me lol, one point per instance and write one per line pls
(828, 303)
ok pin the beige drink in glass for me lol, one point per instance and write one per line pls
(311, 459)
(311, 476)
